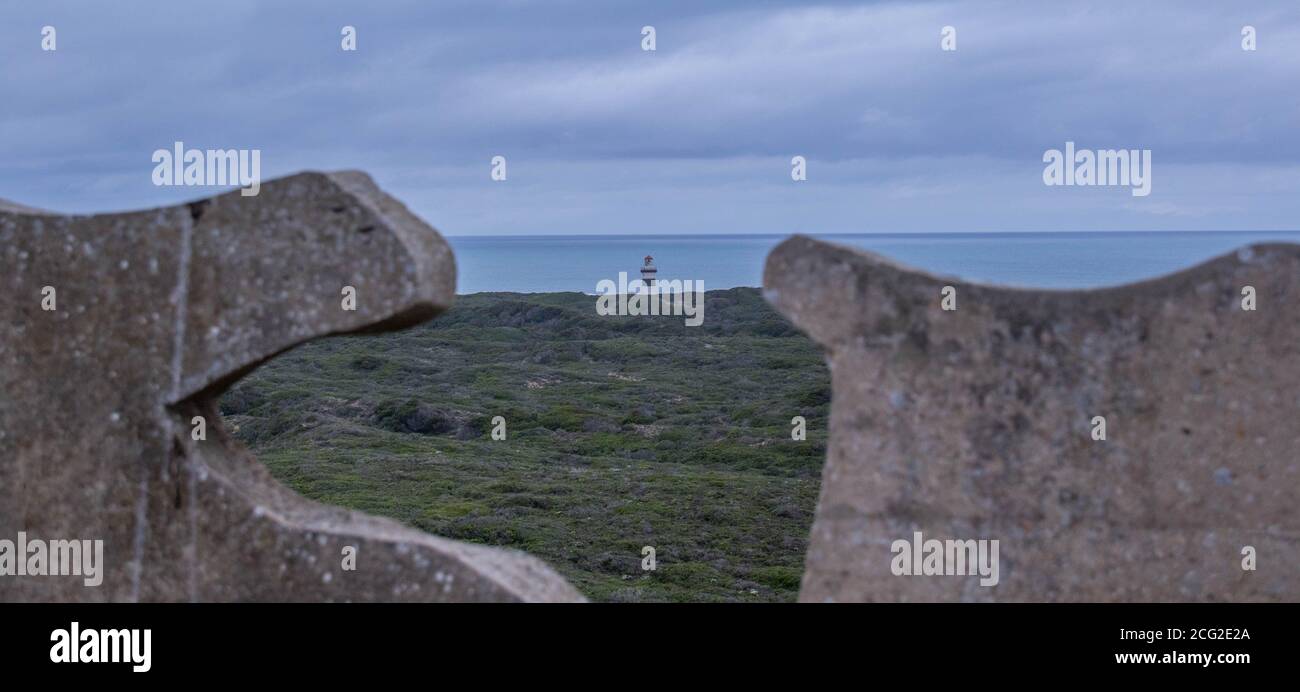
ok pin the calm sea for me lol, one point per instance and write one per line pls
(534, 264)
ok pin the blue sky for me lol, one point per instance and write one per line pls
(695, 137)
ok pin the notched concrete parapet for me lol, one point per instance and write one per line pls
(980, 423)
(155, 313)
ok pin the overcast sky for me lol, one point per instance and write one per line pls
(695, 137)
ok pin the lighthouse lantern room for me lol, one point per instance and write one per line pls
(648, 271)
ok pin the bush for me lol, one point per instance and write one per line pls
(416, 417)
(562, 418)
(367, 362)
(783, 578)
(242, 399)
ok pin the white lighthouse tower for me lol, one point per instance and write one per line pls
(648, 271)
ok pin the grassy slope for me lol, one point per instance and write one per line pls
(623, 432)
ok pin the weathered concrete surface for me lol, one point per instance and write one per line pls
(975, 424)
(157, 312)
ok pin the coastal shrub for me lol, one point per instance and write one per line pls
(786, 578)
(414, 416)
(245, 397)
(366, 362)
(562, 418)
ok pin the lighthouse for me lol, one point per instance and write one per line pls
(648, 271)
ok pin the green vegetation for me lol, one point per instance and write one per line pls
(622, 432)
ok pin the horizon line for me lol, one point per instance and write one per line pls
(851, 233)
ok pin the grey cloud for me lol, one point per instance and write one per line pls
(697, 135)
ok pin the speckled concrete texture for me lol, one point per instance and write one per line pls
(157, 313)
(977, 424)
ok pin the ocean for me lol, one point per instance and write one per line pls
(537, 264)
